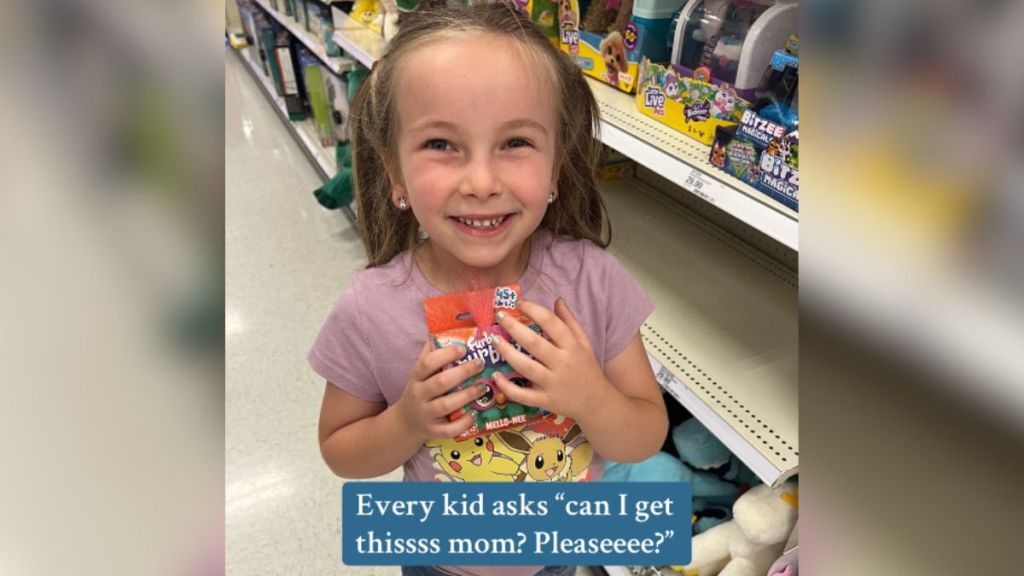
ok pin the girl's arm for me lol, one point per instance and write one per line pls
(360, 439)
(626, 419)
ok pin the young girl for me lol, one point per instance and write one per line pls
(475, 132)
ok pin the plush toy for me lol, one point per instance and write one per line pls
(389, 23)
(700, 449)
(763, 518)
(718, 477)
(662, 467)
(337, 192)
(605, 16)
(369, 13)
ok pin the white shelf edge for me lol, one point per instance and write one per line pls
(336, 64)
(617, 571)
(721, 429)
(362, 43)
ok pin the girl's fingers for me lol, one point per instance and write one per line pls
(445, 405)
(433, 360)
(524, 396)
(566, 315)
(534, 343)
(523, 364)
(441, 383)
(453, 429)
(552, 325)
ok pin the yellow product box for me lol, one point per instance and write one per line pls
(689, 101)
(612, 58)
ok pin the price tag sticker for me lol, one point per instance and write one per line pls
(698, 183)
(664, 377)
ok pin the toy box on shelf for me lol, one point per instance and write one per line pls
(609, 42)
(689, 102)
(764, 150)
(544, 13)
(313, 77)
(732, 40)
(289, 85)
(718, 50)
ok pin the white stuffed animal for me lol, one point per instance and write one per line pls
(389, 25)
(747, 545)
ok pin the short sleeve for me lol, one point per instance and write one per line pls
(342, 354)
(628, 304)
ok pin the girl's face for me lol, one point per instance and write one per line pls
(476, 148)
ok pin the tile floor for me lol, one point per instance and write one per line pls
(287, 262)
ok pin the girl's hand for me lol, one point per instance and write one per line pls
(425, 404)
(566, 377)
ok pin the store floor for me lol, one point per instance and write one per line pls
(287, 262)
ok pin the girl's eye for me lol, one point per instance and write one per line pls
(517, 143)
(437, 144)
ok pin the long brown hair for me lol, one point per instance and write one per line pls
(578, 211)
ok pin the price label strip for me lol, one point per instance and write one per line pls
(698, 184)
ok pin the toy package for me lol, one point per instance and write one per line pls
(605, 43)
(732, 40)
(764, 149)
(693, 104)
(300, 13)
(467, 319)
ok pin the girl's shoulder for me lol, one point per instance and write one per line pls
(572, 258)
(382, 281)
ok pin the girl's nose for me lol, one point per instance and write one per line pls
(481, 179)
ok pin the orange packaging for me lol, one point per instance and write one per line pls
(467, 319)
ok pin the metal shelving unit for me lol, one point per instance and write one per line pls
(363, 44)
(723, 337)
(304, 132)
(337, 64)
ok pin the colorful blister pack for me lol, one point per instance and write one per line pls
(467, 319)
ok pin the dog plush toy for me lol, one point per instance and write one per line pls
(613, 51)
(763, 518)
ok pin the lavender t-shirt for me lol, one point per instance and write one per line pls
(374, 334)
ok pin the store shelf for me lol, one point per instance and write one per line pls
(723, 337)
(315, 45)
(304, 131)
(360, 42)
(616, 571)
(684, 162)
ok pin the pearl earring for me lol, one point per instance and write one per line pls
(401, 204)
(551, 198)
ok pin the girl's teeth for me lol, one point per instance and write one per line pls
(482, 223)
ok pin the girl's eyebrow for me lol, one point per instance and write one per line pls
(432, 125)
(525, 123)
(445, 125)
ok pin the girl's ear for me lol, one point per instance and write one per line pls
(395, 178)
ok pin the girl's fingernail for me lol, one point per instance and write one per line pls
(483, 388)
(479, 363)
(496, 338)
(500, 315)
